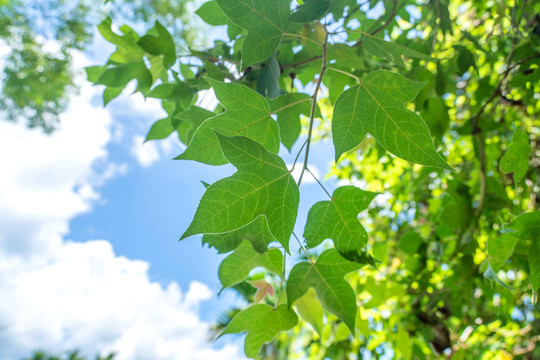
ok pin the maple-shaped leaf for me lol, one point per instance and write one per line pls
(391, 50)
(326, 276)
(263, 289)
(235, 268)
(337, 219)
(262, 323)
(262, 186)
(265, 21)
(288, 108)
(248, 114)
(375, 106)
(516, 158)
(256, 233)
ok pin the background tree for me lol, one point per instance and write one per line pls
(42, 35)
(434, 104)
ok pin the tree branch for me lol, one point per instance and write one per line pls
(314, 105)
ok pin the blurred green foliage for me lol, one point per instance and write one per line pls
(41, 38)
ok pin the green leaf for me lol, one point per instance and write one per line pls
(526, 226)
(169, 91)
(256, 232)
(268, 81)
(262, 323)
(160, 130)
(326, 276)
(189, 121)
(410, 242)
(288, 108)
(262, 186)
(390, 50)
(310, 10)
(376, 107)
(492, 275)
(110, 93)
(162, 44)
(338, 220)
(119, 76)
(310, 310)
(127, 50)
(500, 248)
(248, 114)
(265, 20)
(212, 14)
(516, 158)
(236, 267)
(534, 265)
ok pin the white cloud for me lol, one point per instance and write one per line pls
(307, 177)
(85, 297)
(58, 295)
(149, 152)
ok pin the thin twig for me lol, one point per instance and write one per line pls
(320, 184)
(303, 37)
(307, 61)
(344, 72)
(388, 21)
(314, 104)
(297, 155)
(303, 248)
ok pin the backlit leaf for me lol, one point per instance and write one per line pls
(262, 186)
(235, 268)
(256, 232)
(310, 310)
(310, 10)
(288, 108)
(326, 276)
(265, 20)
(248, 114)
(390, 50)
(500, 248)
(516, 158)
(338, 220)
(375, 106)
(262, 323)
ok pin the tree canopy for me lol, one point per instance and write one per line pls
(431, 246)
(42, 36)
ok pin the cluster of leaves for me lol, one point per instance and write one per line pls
(451, 265)
(42, 36)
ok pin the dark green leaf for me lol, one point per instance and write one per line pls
(310, 10)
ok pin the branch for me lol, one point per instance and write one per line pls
(395, 8)
(314, 105)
